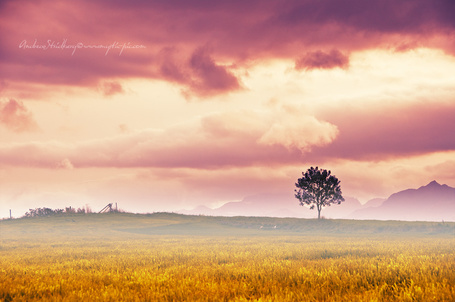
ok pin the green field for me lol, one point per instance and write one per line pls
(170, 257)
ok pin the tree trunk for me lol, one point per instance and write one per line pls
(319, 212)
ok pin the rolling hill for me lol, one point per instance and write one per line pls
(94, 227)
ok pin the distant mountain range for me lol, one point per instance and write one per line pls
(272, 205)
(433, 202)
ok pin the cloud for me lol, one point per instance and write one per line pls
(123, 128)
(280, 136)
(237, 33)
(230, 139)
(299, 131)
(322, 60)
(210, 78)
(34, 154)
(199, 74)
(16, 117)
(65, 164)
(111, 88)
(388, 130)
(445, 170)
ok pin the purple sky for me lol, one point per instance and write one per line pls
(164, 105)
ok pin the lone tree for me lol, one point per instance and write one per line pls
(318, 188)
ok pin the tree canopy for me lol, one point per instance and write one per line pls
(319, 189)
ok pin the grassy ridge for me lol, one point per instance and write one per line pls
(111, 224)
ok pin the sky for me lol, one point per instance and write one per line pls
(167, 105)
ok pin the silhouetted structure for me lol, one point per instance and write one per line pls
(107, 208)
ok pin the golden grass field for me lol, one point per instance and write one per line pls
(166, 257)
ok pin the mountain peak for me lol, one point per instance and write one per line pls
(434, 183)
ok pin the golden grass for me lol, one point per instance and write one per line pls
(270, 267)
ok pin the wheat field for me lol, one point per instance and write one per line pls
(109, 259)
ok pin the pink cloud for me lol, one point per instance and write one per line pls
(148, 149)
(244, 139)
(237, 33)
(236, 139)
(16, 117)
(209, 77)
(199, 74)
(301, 132)
(385, 131)
(34, 154)
(65, 164)
(111, 88)
(322, 60)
